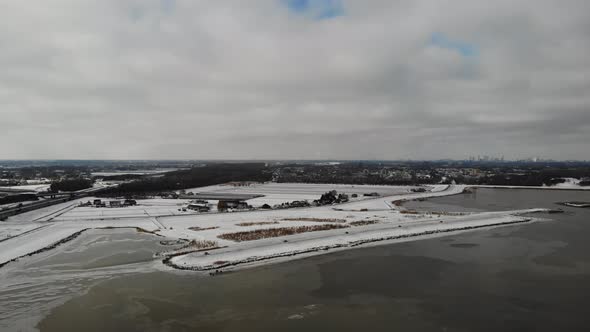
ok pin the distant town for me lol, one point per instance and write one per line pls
(54, 176)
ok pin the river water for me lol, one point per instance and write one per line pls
(534, 277)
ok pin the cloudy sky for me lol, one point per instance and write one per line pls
(288, 79)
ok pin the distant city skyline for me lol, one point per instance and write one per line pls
(293, 79)
(468, 158)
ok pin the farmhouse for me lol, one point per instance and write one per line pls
(115, 204)
(198, 207)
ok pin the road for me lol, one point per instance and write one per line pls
(63, 197)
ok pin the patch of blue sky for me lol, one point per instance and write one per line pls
(167, 6)
(464, 48)
(317, 9)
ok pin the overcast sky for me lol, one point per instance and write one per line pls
(288, 79)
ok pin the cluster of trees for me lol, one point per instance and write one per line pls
(349, 173)
(331, 197)
(71, 185)
(531, 177)
(122, 177)
(195, 177)
(287, 205)
(515, 173)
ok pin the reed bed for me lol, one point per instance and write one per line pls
(196, 229)
(364, 222)
(315, 219)
(245, 224)
(277, 232)
(200, 244)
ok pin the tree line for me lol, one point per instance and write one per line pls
(195, 177)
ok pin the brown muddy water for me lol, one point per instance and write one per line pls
(534, 277)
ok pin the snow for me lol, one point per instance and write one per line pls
(46, 213)
(136, 172)
(35, 230)
(277, 193)
(12, 230)
(302, 189)
(277, 199)
(22, 245)
(29, 187)
(570, 183)
(319, 242)
(385, 203)
(89, 213)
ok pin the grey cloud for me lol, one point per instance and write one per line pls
(236, 79)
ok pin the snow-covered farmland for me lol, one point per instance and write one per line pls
(28, 187)
(255, 252)
(277, 193)
(365, 221)
(145, 208)
(136, 172)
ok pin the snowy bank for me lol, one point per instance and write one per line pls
(312, 244)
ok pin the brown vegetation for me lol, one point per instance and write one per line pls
(444, 213)
(143, 230)
(200, 244)
(364, 222)
(315, 219)
(244, 224)
(196, 228)
(276, 232)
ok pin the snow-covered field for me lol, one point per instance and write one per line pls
(12, 230)
(29, 187)
(255, 252)
(140, 210)
(277, 193)
(295, 189)
(367, 221)
(136, 172)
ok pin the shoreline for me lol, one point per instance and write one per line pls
(176, 227)
(587, 188)
(233, 258)
(47, 248)
(314, 251)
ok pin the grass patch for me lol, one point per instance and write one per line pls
(277, 232)
(245, 224)
(315, 219)
(196, 229)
